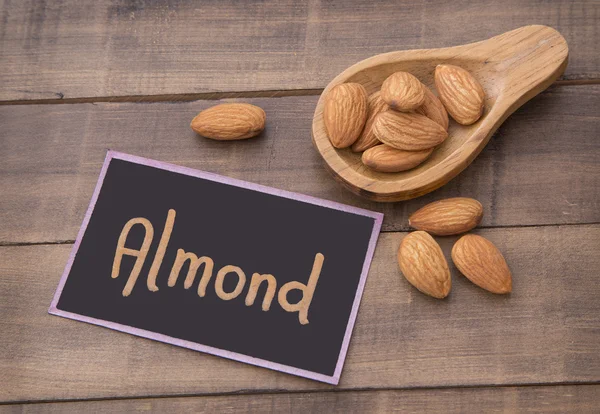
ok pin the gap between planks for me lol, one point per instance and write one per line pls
(214, 96)
(401, 230)
(172, 98)
(264, 392)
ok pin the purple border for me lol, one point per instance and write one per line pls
(205, 348)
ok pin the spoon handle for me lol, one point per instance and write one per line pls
(526, 60)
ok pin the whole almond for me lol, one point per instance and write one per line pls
(460, 92)
(345, 113)
(384, 158)
(402, 91)
(448, 216)
(367, 139)
(482, 263)
(433, 109)
(423, 264)
(408, 131)
(230, 121)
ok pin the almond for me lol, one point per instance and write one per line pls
(408, 131)
(460, 93)
(230, 121)
(449, 216)
(384, 158)
(482, 263)
(367, 139)
(433, 109)
(345, 113)
(402, 91)
(423, 264)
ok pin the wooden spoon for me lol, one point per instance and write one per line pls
(512, 68)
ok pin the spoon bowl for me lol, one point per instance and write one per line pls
(512, 68)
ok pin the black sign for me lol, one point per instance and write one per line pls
(219, 265)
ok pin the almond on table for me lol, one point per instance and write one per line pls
(230, 121)
(482, 263)
(449, 216)
(423, 264)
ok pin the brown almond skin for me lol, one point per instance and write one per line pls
(408, 131)
(449, 216)
(462, 95)
(423, 264)
(482, 263)
(345, 113)
(433, 109)
(230, 121)
(367, 138)
(402, 91)
(384, 158)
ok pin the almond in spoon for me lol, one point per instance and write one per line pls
(460, 92)
(408, 131)
(345, 113)
(403, 92)
(384, 158)
(368, 139)
(433, 109)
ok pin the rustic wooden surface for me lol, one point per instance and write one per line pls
(74, 49)
(557, 399)
(541, 167)
(538, 180)
(545, 332)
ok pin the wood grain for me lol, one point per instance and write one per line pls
(541, 167)
(512, 68)
(545, 331)
(73, 49)
(553, 399)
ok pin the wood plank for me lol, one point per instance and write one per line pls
(540, 168)
(554, 399)
(73, 49)
(546, 331)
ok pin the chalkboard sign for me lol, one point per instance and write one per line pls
(218, 265)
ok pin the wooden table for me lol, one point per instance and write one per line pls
(77, 78)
